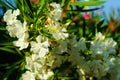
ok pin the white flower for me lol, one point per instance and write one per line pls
(82, 44)
(110, 46)
(73, 42)
(99, 36)
(22, 42)
(111, 61)
(45, 75)
(98, 68)
(115, 72)
(28, 76)
(74, 51)
(34, 63)
(40, 47)
(17, 29)
(10, 17)
(20, 31)
(14, 28)
(62, 47)
(55, 5)
(58, 60)
(56, 13)
(60, 35)
(23, 28)
(77, 45)
(97, 47)
(57, 31)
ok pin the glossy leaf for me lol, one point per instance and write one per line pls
(90, 3)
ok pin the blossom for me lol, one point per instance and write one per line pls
(82, 44)
(114, 72)
(11, 17)
(28, 76)
(56, 13)
(23, 29)
(53, 26)
(77, 45)
(99, 36)
(73, 42)
(45, 75)
(97, 47)
(14, 28)
(22, 42)
(58, 60)
(74, 51)
(40, 47)
(57, 31)
(62, 47)
(17, 29)
(98, 68)
(110, 46)
(34, 63)
(102, 47)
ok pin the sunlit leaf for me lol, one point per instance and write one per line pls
(64, 3)
(41, 7)
(100, 23)
(90, 3)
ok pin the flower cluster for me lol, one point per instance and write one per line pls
(90, 59)
(17, 29)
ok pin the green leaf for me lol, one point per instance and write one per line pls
(2, 28)
(40, 10)
(100, 23)
(42, 6)
(87, 3)
(28, 7)
(11, 69)
(6, 4)
(8, 73)
(6, 43)
(65, 3)
(3, 4)
(7, 49)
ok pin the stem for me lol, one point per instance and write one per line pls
(84, 26)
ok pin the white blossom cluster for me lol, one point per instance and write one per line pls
(35, 63)
(97, 60)
(17, 29)
(54, 26)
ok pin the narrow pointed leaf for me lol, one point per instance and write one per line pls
(90, 3)
(7, 49)
(6, 4)
(100, 23)
(42, 2)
